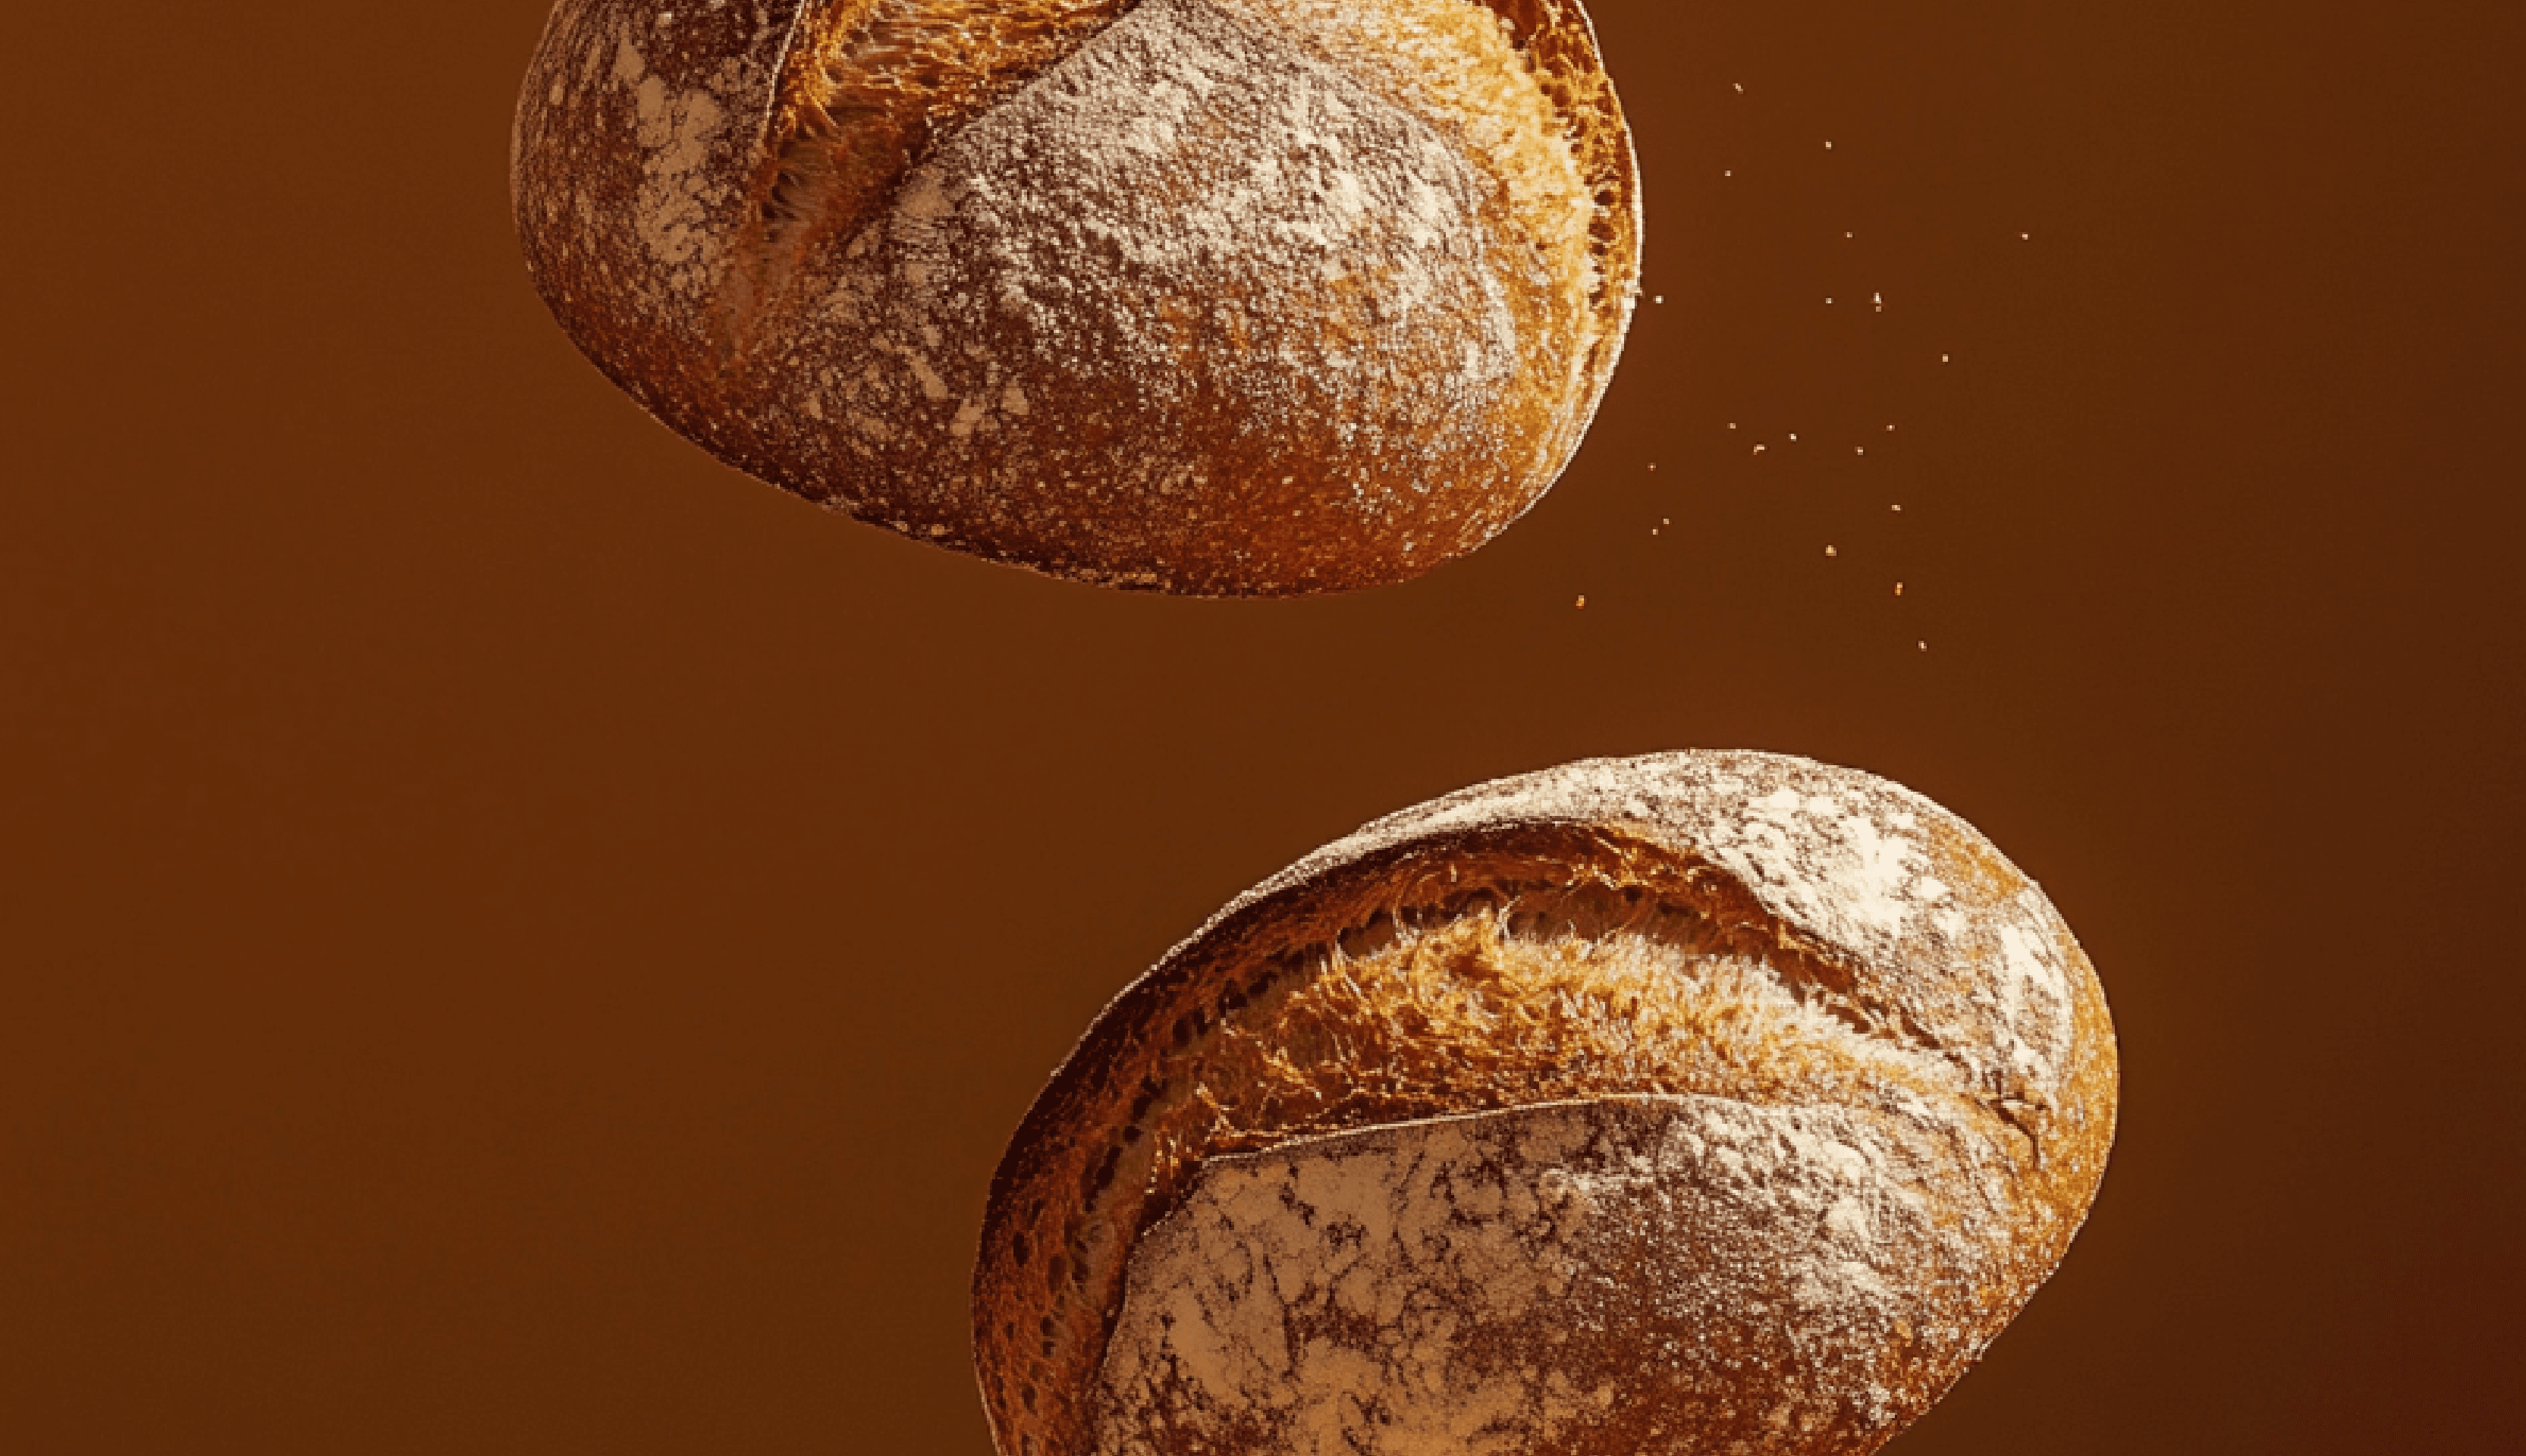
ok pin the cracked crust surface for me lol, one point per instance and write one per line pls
(1590, 1276)
(1220, 297)
(1767, 980)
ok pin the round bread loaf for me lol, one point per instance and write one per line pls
(1701, 1102)
(1220, 297)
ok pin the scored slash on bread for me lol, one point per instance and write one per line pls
(1654, 1104)
(1218, 297)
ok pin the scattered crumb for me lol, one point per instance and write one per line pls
(1829, 551)
(1583, 602)
(1898, 588)
(1758, 449)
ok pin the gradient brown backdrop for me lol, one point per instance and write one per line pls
(517, 938)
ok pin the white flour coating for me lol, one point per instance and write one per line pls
(633, 137)
(1536, 1278)
(1184, 225)
(676, 194)
(1279, 184)
(1507, 120)
(1487, 98)
(1877, 874)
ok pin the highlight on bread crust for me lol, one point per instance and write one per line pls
(1695, 1102)
(1219, 297)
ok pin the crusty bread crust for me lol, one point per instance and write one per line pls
(1219, 297)
(1957, 1089)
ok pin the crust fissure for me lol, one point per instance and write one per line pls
(1609, 968)
(1787, 1035)
(874, 88)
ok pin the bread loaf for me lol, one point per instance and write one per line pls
(1695, 1103)
(1223, 297)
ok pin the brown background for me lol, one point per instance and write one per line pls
(519, 940)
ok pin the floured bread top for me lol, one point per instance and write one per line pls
(1628, 1274)
(1612, 929)
(1185, 285)
(1208, 296)
(875, 87)
(871, 86)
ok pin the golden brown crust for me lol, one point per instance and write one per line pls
(868, 89)
(1762, 932)
(1208, 296)
(627, 176)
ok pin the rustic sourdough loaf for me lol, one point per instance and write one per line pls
(1223, 297)
(1702, 1102)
